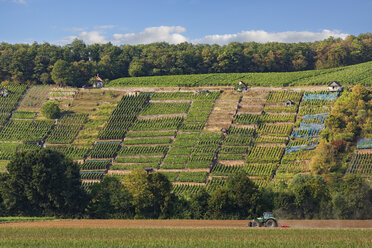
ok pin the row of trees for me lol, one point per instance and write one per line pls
(45, 183)
(75, 64)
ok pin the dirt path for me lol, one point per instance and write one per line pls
(210, 224)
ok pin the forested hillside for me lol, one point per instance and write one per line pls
(76, 63)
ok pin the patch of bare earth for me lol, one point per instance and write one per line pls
(223, 111)
(253, 101)
(188, 224)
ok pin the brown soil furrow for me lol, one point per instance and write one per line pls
(188, 224)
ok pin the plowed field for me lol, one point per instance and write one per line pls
(189, 224)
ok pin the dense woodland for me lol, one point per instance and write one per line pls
(75, 64)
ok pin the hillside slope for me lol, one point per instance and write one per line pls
(196, 138)
(355, 74)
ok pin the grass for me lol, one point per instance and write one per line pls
(360, 73)
(3, 164)
(160, 237)
(24, 219)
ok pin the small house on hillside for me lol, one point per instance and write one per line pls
(289, 103)
(335, 87)
(134, 93)
(98, 83)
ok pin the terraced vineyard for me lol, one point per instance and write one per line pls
(354, 74)
(197, 138)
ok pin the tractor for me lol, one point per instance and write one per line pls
(267, 220)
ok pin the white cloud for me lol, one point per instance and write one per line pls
(263, 36)
(15, 1)
(174, 35)
(92, 37)
(103, 27)
(88, 37)
(170, 34)
(19, 1)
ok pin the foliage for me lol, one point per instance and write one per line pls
(73, 152)
(110, 199)
(104, 149)
(26, 130)
(197, 177)
(67, 128)
(357, 74)
(165, 108)
(265, 154)
(360, 164)
(283, 96)
(151, 194)
(142, 150)
(35, 97)
(76, 63)
(51, 110)
(23, 115)
(43, 183)
(123, 116)
(263, 118)
(95, 165)
(169, 123)
(163, 236)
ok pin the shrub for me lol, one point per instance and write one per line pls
(51, 110)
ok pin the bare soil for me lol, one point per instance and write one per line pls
(363, 151)
(188, 224)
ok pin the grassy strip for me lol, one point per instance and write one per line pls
(165, 237)
(147, 141)
(24, 219)
(150, 134)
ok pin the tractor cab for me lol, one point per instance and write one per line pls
(268, 215)
(267, 220)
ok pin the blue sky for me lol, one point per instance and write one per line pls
(175, 21)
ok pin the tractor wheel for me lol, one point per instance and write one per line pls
(256, 224)
(271, 223)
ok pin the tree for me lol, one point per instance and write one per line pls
(63, 73)
(219, 204)
(43, 183)
(199, 204)
(137, 68)
(45, 78)
(51, 110)
(353, 199)
(143, 198)
(164, 200)
(312, 197)
(110, 199)
(244, 195)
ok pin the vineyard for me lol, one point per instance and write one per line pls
(177, 133)
(360, 164)
(345, 75)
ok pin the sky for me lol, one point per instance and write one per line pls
(175, 21)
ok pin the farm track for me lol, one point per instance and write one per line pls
(188, 224)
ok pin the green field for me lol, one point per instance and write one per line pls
(355, 74)
(24, 219)
(106, 237)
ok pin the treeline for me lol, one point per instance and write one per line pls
(75, 64)
(45, 183)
